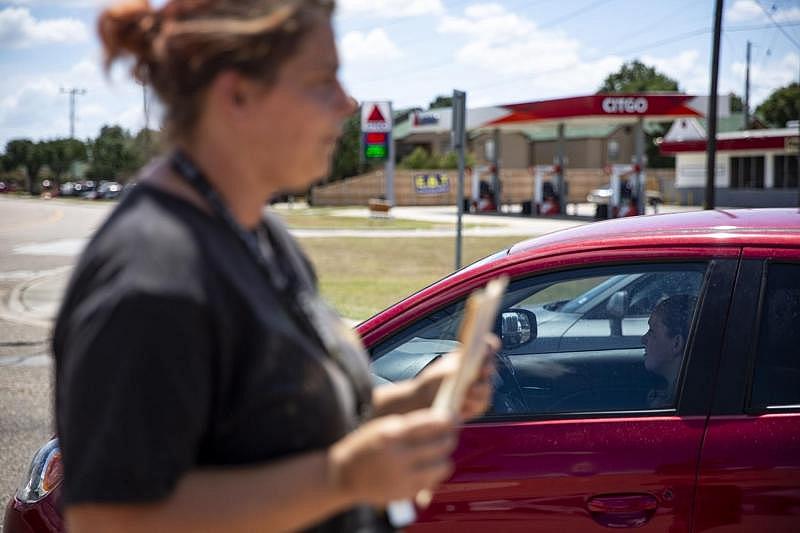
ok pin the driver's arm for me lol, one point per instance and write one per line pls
(418, 393)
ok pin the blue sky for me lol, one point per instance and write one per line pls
(409, 51)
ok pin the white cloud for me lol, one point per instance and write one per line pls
(766, 78)
(391, 8)
(375, 45)
(749, 11)
(507, 44)
(34, 107)
(744, 11)
(20, 29)
(687, 68)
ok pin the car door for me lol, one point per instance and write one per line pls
(749, 477)
(572, 441)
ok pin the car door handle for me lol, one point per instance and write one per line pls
(622, 510)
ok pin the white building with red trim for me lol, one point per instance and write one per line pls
(754, 168)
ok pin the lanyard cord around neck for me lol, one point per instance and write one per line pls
(298, 298)
(187, 169)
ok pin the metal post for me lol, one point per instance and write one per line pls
(496, 177)
(641, 188)
(747, 90)
(459, 141)
(711, 155)
(562, 208)
(389, 168)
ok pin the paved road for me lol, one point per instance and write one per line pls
(31, 232)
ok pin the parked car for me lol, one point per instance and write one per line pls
(573, 440)
(602, 195)
(108, 190)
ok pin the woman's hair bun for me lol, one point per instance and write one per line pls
(128, 28)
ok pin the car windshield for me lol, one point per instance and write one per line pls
(573, 306)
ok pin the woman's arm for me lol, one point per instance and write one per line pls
(387, 459)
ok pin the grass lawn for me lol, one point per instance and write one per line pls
(321, 218)
(361, 276)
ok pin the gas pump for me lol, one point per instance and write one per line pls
(623, 202)
(545, 200)
(475, 192)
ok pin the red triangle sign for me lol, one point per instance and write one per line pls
(376, 115)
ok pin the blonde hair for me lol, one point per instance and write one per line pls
(180, 48)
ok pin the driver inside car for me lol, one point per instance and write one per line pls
(665, 343)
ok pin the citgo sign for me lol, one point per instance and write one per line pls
(617, 105)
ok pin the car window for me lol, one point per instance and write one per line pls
(776, 374)
(588, 340)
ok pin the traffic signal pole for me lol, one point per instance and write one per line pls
(459, 127)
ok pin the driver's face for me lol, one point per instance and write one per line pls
(660, 347)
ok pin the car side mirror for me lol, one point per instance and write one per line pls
(617, 308)
(517, 328)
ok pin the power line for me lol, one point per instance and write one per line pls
(584, 9)
(769, 15)
(637, 49)
(442, 63)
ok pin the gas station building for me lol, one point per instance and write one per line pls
(594, 131)
(754, 168)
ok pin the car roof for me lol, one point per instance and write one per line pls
(753, 227)
(739, 227)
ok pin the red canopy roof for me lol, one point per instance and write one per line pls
(776, 139)
(605, 107)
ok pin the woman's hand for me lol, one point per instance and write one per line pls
(479, 394)
(393, 457)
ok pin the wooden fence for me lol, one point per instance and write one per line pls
(517, 186)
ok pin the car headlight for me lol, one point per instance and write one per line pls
(45, 474)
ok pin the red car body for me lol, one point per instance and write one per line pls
(712, 463)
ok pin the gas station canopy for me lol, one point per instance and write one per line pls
(598, 109)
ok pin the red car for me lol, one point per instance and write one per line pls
(649, 377)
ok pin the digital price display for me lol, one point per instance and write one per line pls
(376, 145)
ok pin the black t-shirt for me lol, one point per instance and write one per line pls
(175, 351)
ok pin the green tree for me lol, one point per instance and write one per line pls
(781, 106)
(417, 160)
(28, 154)
(441, 101)
(112, 155)
(634, 76)
(737, 104)
(346, 159)
(60, 154)
(420, 159)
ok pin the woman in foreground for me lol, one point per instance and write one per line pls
(201, 383)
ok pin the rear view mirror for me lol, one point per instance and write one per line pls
(617, 308)
(518, 327)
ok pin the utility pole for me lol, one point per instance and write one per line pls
(72, 92)
(145, 107)
(711, 152)
(146, 111)
(747, 89)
